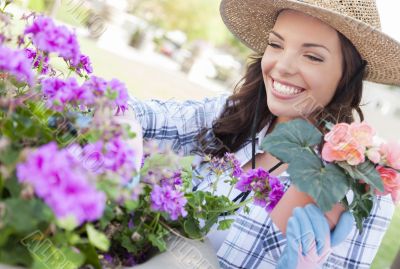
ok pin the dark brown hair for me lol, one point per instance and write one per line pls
(233, 127)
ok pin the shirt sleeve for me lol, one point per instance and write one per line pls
(174, 123)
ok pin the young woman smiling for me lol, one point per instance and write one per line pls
(311, 59)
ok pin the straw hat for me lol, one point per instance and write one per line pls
(251, 21)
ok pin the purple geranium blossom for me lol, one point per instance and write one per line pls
(228, 162)
(2, 38)
(84, 65)
(234, 163)
(60, 180)
(61, 92)
(116, 90)
(275, 194)
(17, 64)
(121, 100)
(115, 155)
(96, 85)
(166, 199)
(268, 190)
(37, 60)
(173, 181)
(48, 37)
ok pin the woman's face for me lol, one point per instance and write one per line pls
(302, 65)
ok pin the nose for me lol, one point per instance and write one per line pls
(286, 64)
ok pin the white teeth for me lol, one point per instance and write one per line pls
(283, 89)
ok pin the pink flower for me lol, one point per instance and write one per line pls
(362, 133)
(391, 182)
(348, 142)
(374, 155)
(352, 153)
(391, 154)
(339, 134)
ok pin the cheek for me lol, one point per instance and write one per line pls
(266, 65)
(322, 86)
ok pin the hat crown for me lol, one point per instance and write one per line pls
(362, 10)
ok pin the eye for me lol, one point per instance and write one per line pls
(313, 58)
(275, 46)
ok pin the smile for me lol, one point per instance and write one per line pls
(284, 91)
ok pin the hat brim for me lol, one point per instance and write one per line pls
(251, 21)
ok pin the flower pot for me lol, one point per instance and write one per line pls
(183, 253)
(294, 198)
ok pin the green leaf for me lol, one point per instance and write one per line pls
(290, 138)
(108, 216)
(48, 256)
(9, 156)
(13, 187)
(127, 243)
(365, 171)
(192, 228)
(186, 162)
(225, 224)
(15, 253)
(131, 205)
(5, 233)
(158, 242)
(91, 255)
(97, 238)
(68, 223)
(25, 215)
(327, 185)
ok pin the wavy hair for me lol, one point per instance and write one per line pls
(233, 127)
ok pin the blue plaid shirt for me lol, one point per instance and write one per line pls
(253, 241)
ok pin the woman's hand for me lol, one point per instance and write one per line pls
(309, 241)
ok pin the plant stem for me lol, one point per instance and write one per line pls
(215, 183)
(231, 208)
(230, 190)
(154, 222)
(27, 45)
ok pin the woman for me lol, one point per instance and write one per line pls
(311, 59)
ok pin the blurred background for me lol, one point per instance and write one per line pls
(181, 49)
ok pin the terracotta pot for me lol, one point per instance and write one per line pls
(295, 198)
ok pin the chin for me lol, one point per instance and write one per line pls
(283, 111)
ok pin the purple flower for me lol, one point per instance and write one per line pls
(115, 155)
(20, 40)
(121, 99)
(2, 38)
(228, 162)
(36, 61)
(60, 92)
(84, 65)
(234, 163)
(17, 64)
(60, 180)
(114, 90)
(267, 189)
(276, 193)
(173, 181)
(48, 37)
(166, 199)
(108, 258)
(96, 85)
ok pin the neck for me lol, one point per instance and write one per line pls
(279, 119)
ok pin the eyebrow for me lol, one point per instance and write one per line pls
(306, 45)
